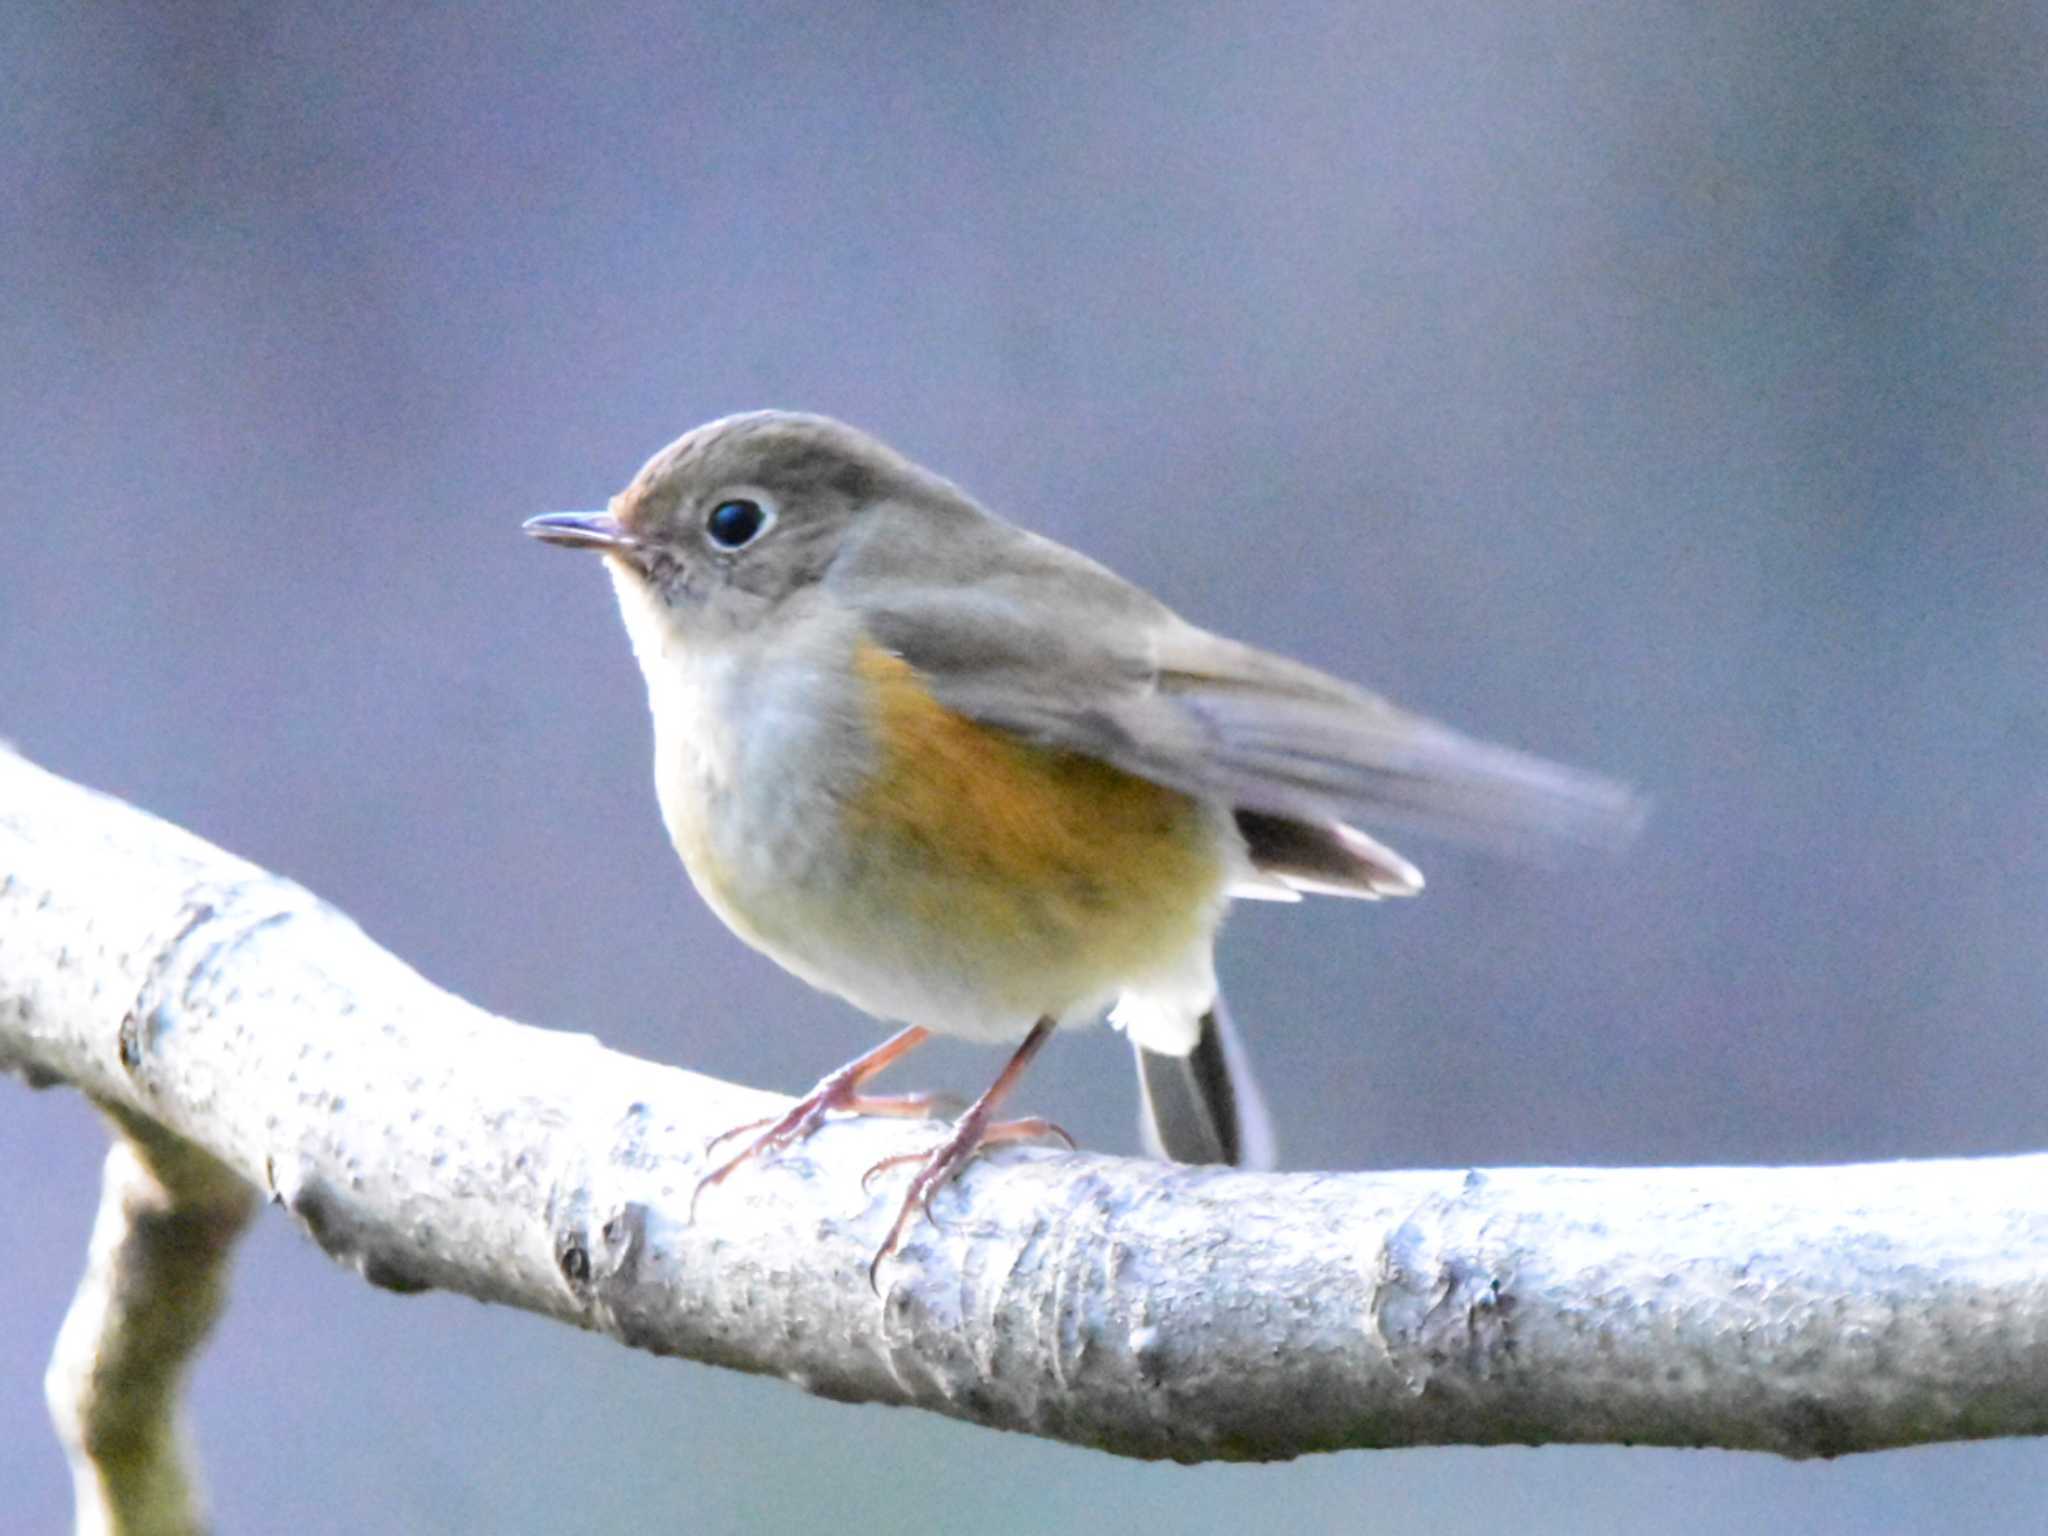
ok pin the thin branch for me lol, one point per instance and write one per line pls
(1148, 1310)
(155, 1279)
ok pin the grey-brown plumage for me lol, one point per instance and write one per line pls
(760, 650)
(1294, 752)
(1123, 678)
(1205, 1107)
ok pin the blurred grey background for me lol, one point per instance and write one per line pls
(1657, 386)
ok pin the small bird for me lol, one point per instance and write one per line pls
(978, 785)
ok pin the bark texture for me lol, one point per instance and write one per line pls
(1145, 1309)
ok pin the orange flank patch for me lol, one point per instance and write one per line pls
(1061, 860)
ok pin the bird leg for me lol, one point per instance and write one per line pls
(1030, 1128)
(836, 1090)
(971, 1131)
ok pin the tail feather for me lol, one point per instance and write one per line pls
(1205, 1107)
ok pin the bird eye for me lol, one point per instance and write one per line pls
(733, 524)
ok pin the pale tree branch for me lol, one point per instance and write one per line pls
(1144, 1309)
(155, 1279)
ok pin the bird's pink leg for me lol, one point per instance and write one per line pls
(971, 1131)
(836, 1090)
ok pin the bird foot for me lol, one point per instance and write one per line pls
(941, 1165)
(838, 1090)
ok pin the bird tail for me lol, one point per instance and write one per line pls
(1205, 1107)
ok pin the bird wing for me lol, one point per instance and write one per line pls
(1024, 634)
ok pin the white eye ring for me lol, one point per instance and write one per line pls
(737, 520)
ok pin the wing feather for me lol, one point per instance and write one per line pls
(1026, 635)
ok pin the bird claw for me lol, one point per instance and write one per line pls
(783, 1132)
(838, 1090)
(941, 1165)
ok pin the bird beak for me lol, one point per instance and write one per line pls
(581, 530)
